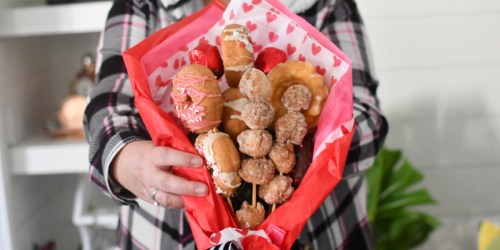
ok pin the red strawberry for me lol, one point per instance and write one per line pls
(207, 55)
(269, 58)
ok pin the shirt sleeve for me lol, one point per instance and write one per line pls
(341, 22)
(111, 118)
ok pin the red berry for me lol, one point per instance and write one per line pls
(207, 55)
(269, 58)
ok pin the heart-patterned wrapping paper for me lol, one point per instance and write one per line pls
(152, 63)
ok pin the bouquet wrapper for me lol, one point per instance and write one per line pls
(152, 63)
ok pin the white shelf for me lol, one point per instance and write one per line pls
(53, 19)
(42, 154)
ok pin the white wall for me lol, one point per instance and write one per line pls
(438, 62)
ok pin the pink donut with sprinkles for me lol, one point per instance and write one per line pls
(197, 98)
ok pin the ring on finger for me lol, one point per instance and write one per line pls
(153, 196)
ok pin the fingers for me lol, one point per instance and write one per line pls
(170, 183)
(167, 200)
(164, 156)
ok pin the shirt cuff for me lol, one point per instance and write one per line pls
(116, 191)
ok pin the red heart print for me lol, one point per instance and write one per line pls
(274, 10)
(256, 47)
(270, 16)
(302, 58)
(202, 40)
(336, 61)
(243, 232)
(251, 26)
(290, 28)
(333, 80)
(215, 238)
(315, 49)
(176, 64)
(159, 82)
(231, 17)
(221, 22)
(164, 65)
(272, 37)
(183, 62)
(290, 49)
(320, 70)
(256, 1)
(247, 7)
(217, 40)
(184, 48)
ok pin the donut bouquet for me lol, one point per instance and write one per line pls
(266, 99)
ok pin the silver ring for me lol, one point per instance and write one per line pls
(153, 196)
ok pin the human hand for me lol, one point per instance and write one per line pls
(140, 167)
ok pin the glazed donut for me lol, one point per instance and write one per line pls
(197, 98)
(249, 217)
(297, 72)
(255, 85)
(237, 52)
(257, 115)
(255, 143)
(257, 170)
(234, 102)
(296, 98)
(291, 128)
(222, 158)
(283, 157)
(277, 191)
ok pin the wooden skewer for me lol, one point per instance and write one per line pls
(230, 203)
(254, 195)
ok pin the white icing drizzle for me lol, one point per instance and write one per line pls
(208, 150)
(239, 68)
(227, 178)
(240, 35)
(237, 104)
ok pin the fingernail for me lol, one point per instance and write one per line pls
(201, 190)
(197, 161)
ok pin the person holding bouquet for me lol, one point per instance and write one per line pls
(128, 167)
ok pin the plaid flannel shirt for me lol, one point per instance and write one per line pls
(112, 121)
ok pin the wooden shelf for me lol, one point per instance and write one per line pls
(41, 154)
(53, 19)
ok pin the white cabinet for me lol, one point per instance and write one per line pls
(40, 53)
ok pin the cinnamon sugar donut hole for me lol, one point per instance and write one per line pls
(277, 191)
(257, 115)
(291, 128)
(257, 170)
(283, 157)
(296, 98)
(249, 217)
(255, 85)
(255, 143)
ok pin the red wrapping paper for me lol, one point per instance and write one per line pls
(152, 63)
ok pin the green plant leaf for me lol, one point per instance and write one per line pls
(389, 202)
(403, 178)
(418, 197)
(377, 175)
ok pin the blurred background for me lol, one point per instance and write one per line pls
(438, 63)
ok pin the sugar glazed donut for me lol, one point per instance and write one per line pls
(291, 73)
(249, 217)
(255, 143)
(222, 158)
(197, 98)
(237, 52)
